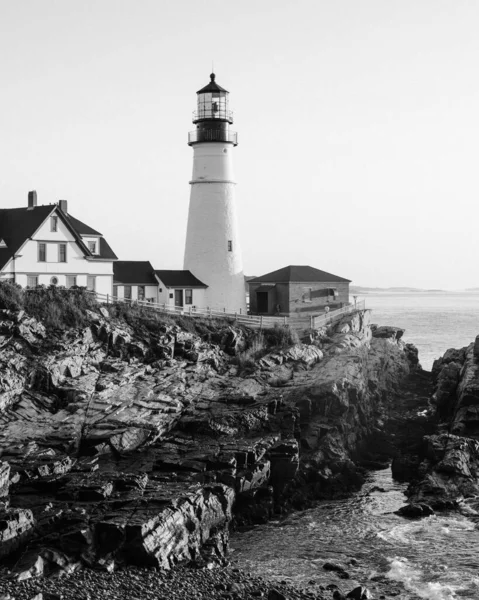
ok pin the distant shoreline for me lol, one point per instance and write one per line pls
(409, 290)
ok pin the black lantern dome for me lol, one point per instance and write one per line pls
(212, 116)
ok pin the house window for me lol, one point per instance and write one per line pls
(42, 252)
(127, 292)
(54, 280)
(62, 253)
(71, 280)
(161, 289)
(54, 224)
(188, 296)
(141, 292)
(32, 281)
(92, 247)
(115, 292)
(91, 283)
(230, 245)
(308, 295)
(171, 296)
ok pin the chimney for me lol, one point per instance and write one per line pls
(32, 199)
(63, 204)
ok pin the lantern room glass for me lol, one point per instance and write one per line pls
(213, 105)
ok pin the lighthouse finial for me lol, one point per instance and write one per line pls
(212, 76)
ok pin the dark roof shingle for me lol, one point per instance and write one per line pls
(17, 225)
(212, 86)
(134, 271)
(179, 279)
(80, 227)
(105, 251)
(298, 273)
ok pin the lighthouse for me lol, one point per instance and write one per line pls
(212, 250)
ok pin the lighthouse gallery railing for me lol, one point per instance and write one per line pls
(212, 135)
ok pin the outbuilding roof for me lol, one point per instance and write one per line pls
(298, 273)
(178, 279)
(134, 271)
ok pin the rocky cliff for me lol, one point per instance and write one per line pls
(446, 473)
(139, 443)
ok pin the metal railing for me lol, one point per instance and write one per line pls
(253, 321)
(334, 315)
(212, 135)
(221, 114)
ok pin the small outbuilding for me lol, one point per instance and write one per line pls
(297, 289)
(134, 280)
(180, 289)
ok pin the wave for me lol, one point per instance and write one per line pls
(422, 531)
(413, 580)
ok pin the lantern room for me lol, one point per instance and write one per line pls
(212, 103)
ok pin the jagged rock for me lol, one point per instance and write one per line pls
(359, 593)
(329, 566)
(415, 511)
(16, 526)
(4, 478)
(299, 353)
(129, 443)
(274, 594)
(387, 331)
(163, 537)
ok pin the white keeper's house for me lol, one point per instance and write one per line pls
(46, 245)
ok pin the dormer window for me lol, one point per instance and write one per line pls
(2, 243)
(53, 223)
(92, 247)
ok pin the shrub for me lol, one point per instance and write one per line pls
(11, 296)
(281, 336)
(58, 307)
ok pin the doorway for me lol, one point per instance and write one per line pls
(262, 302)
(179, 298)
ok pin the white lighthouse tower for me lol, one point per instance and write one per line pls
(213, 251)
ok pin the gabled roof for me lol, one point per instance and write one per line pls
(17, 225)
(179, 279)
(80, 227)
(134, 271)
(212, 86)
(105, 251)
(298, 273)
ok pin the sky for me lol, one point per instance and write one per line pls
(357, 122)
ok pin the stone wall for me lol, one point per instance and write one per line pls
(302, 297)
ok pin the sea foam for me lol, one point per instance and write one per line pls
(412, 579)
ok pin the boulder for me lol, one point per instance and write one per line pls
(387, 331)
(415, 511)
(16, 526)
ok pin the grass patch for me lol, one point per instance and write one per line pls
(56, 307)
(154, 321)
(264, 342)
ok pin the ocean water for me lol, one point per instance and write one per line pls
(436, 558)
(434, 321)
